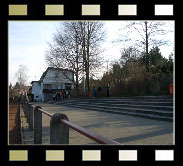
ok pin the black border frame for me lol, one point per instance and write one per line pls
(72, 11)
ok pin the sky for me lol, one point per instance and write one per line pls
(28, 43)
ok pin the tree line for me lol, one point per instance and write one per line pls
(129, 75)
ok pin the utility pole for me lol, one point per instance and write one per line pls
(20, 83)
(107, 67)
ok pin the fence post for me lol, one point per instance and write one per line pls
(31, 114)
(28, 110)
(37, 126)
(59, 133)
(25, 108)
(24, 104)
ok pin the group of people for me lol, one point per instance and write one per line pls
(99, 91)
(63, 94)
(23, 97)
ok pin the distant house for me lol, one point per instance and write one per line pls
(52, 80)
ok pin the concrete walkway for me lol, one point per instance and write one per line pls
(124, 129)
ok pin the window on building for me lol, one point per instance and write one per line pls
(47, 86)
(68, 85)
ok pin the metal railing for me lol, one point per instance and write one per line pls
(59, 127)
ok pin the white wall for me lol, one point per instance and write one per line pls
(51, 78)
(36, 90)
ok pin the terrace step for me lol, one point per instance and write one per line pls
(132, 105)
(133, 109)
(154, 107)
(136, 114)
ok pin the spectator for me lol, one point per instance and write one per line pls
(53, 96)
(108, 89)
(20, 98)
(61, 97)
(99, 91)
(63, 94)
(56, 96)
(69, 93)
(93, 92)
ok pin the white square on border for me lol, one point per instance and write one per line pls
(163, 10)
(164, 155)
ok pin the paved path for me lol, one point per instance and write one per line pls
(121, 128)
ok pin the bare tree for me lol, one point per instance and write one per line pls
(22, 76)
(76, 46)
(92, 35)
(149, 34)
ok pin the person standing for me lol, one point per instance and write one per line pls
(53, 96)
(20, 99)
(108, 89)
(93, 92)
(63, 94)
(69, 92)
(99, 91)
(61, 97)
(56, 96)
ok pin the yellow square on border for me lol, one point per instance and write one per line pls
(18, 155)
(91, 155)
(54, 10)
(54, 155)
(127, 155)
(17, 10)
(91, 10)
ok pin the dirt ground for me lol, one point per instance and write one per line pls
(14, 123)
